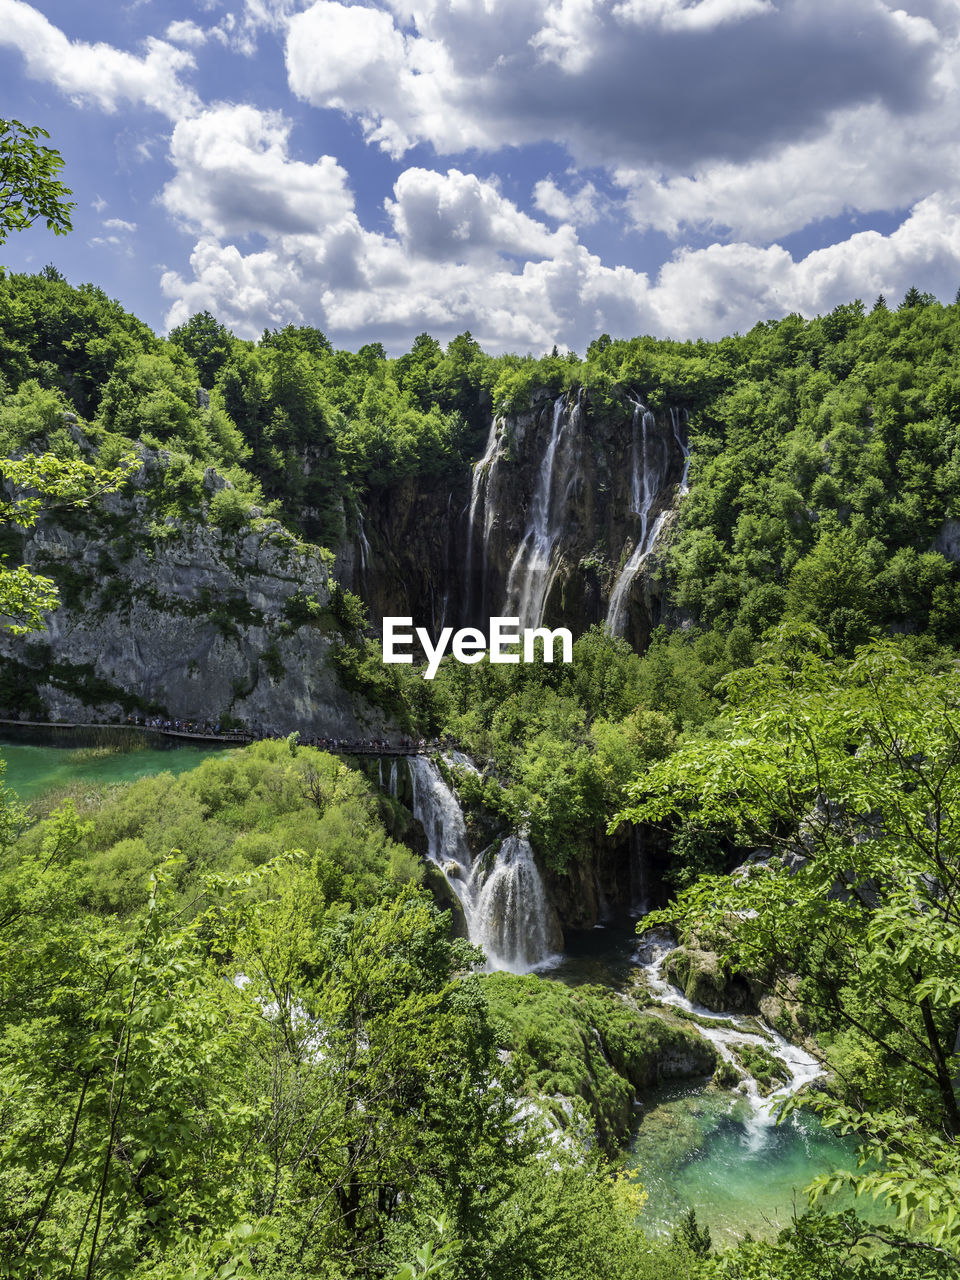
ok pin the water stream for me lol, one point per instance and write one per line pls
(504, 903)
(533, 568)
(481, 475)
(651, 465)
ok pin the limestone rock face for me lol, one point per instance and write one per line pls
(452, 553)
(184, 618)
(947, 541)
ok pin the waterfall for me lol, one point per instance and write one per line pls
(512, 912)
(392, 786)
(639, 874)
(532, 571)
(504, 903)
(364, 546)
(481, 473)
(725, 1031)
(650, 466)
(682, 445)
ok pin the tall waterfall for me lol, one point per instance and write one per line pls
(675, 417)
(363, 546)
(532, 571)
(481, 474)
(650, 468)
(504, 904)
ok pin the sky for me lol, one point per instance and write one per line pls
(533, 171)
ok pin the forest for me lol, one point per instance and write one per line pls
(242, 1032)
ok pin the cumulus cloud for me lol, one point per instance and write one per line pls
(234, 177)
(455, 216)
(866, 158)
(119, 224)
(728, 286)
(186, 32)
(663, 82)
(581, 208)
(493, 269)
(98, 73)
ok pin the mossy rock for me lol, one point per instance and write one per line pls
(703, 981)
(446, 899)
(769, 1072)
(588, 1043)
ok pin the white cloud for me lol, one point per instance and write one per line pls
(186, 32)
(319, 265)
(867, 158)
(663, 83)
(582, 208)
(98, 73)
(455, 216)
(118, 224)
(678, 15)
(235, 177)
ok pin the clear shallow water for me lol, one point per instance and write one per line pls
(33, 770)
(694, 1150)
(708, 1149)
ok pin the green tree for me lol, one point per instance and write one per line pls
(39, 482)
(29, 185)
(848, 775)
(207, 342)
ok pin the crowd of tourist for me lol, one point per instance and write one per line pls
(348, 746)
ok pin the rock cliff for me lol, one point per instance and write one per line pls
(175, 615)
(562, 517)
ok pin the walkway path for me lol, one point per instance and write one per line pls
(337, 746)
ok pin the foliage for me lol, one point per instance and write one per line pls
(29, 184)
(846, 772)
(588, 1046)
(36, 482)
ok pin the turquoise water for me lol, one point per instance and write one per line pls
(33, 770)
(704, 1148)
(739, 1177)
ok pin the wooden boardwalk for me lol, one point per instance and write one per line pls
(341, 747)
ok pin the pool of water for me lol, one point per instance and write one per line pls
(32, 770)
(703, 1150)
(708, 1149)
(605, 955)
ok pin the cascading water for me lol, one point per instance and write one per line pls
(504, 903)
(532, 571)
(481, 473)
(649, 472)
(682, 445)
(800, 1065)
(364, 547)
(512, 912)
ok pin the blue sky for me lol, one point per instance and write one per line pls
(535, 171)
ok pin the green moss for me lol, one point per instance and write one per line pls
(588, 1043)
(768, 1071)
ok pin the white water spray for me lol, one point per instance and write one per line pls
(532, 572)
(801, 1067)
(504, 903)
